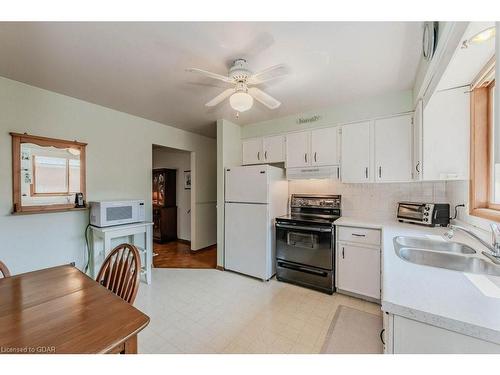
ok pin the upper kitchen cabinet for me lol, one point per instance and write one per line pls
(252, 151)
(417, 142)
(325, 147)
(393, 149)
(274, 149)
(355, 157)
(445, 141)
(263, 150)
(377, 151)
(318, 147)
(297, 149)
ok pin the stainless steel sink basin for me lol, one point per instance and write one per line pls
(428, 244)
(449, 261)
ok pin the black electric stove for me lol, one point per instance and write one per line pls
(305, 241)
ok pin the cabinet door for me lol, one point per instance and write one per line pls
(324, 146)
(274, 149)
(252, 151)
(358, 270)
(446, 135)
(356, 153)
(417, 142)
(393, 145)
(297, 150)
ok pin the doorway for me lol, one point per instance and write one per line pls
(172, 207)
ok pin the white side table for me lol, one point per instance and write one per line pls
(100, 245)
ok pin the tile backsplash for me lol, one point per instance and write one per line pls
(373, 200)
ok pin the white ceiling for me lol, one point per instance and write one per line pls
(139, 68)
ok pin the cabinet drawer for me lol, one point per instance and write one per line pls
(359, 235)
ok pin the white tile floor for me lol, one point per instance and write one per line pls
(209, 311)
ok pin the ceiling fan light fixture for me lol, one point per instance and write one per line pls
(241, 101)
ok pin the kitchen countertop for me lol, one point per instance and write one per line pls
(448, 299)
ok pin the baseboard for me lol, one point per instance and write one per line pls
(220, 268)
(186, 242)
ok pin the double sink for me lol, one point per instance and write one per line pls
(443, 254)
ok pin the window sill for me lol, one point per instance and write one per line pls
(486, 213)
(48, 210)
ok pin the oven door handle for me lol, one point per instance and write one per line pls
(302, 269)
(312, 229)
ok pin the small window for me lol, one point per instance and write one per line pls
(55, 175)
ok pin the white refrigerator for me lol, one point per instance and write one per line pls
(254, 196)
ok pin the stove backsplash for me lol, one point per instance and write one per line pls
(373, 200)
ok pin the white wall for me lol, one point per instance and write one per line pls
(119, 155)
(368, 108)
(180, 161)
(228, 155)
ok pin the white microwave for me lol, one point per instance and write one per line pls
(108, 213)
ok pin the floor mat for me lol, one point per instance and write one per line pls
(353, 332)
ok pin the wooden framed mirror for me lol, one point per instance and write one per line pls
(47, 173)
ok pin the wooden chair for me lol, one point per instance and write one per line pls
(4, 271)
(121, 271)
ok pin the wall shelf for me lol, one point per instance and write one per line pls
(49, 211)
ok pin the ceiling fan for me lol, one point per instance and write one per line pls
(241, 96)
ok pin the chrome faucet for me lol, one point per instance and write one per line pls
(494, 247)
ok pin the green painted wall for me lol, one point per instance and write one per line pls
(379, 106)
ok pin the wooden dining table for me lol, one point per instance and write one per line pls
(62, 310)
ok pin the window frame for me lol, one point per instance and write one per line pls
(68, 192)
(482, 125)
(17, 140)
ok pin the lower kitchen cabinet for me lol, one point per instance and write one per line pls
(406, 336)
(358, 262)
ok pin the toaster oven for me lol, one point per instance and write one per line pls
(430, 214)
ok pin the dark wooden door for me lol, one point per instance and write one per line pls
(164, 205)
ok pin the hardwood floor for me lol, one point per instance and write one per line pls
(178, 254)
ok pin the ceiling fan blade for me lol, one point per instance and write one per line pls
(268, 74)
(219, 98)
(264, 98)
(210, 74)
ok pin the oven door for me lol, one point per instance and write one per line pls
(311, 246)
(412, 212)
